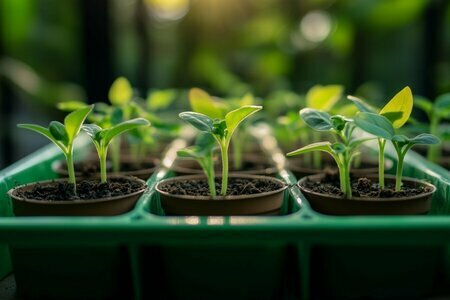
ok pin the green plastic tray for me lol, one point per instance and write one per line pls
(302, 254)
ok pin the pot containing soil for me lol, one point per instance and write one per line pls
(323, 193)
(300, 168)
(254, 165)
(246, 195)
(73, 271)
(91, 168)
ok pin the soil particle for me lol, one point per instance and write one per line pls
(363, 187)
(86, 190)
(236, 186)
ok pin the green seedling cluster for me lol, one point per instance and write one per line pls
(64, 135)
(221, 128)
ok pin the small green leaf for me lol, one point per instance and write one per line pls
(191, 152)
(339, 122)
(74, 121)
(45, 132)
(399, 108)
(71, 105)
(201, 102)
(59, 132)
(200, 121)
(361, 104)
(205, 141)
(338, 148)
(375, 124)
(323, 97)
(120, 92)
(316, 119)
(160, 99)
(442, 105)
(320, 146)
(92, 130)
(235, 117)
(424, 139)
(114, 131)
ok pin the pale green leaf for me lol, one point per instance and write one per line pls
(120, 92)
(71, 105)
(442, 105)
(45, 132)
(399, 108)
(123, 127)
(375, 124)
(316, 119)
(324, 97)
(201, 102)
(74, 121)
(200, 121)
(361, 104)
(320, 146)
(235, 117)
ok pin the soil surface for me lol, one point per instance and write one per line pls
(236, 186)
(363, 187)
(86, 190)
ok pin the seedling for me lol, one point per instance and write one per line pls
(203, 152)
(222, 130)
(436, 112)
(63, 136)
(102, 138)
(383, 128)
(343, 151)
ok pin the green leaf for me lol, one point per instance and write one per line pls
(320, 146)
(120, 92)
(201, 102)
(442, 105)
(323, 97)
(191, 152)
(92, 130)
(74, 121)
(357, 142)
(338, 148)
(205, 141)
(59, 132)
(235, 117)
(339, 122)
(160, 99)
(71, 105)
(45, 132)
(399, 108)
(316, 119)
(423, 103)
(361, 104)
(200, 121)
(114, 131)
(375, 124)
(424, 139)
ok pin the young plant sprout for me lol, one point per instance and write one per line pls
(382, 127)
(102, 138)
(63, 136)
(343, 151)
(436, 112)
(222, 130)
(397, 112)
(202, 152)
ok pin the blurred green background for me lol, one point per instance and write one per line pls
(53, 50)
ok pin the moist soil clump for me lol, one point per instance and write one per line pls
(236, 186)
(87, 189)
(363, 187)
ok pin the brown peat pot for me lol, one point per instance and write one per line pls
(267, 203)
(91, 167)
(253, 165)
(298, 167)
(95, 207)
(339, 205)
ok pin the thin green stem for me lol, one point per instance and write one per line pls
(102, 156)
(381, 145)
(224, 154)
(71, 170)
(398, 176)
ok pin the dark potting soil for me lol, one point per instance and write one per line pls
(363, 187)
(86, 190)
(236, 186)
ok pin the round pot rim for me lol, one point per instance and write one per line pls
(371, 199)
(388, 164)
(11, 192)
(221, 198)
(57, 167)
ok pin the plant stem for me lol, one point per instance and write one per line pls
(224, 154)
(102, 157)
(71, 169)
(398, 176)
(381, 145)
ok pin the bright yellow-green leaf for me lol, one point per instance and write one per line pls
(235, 117)
(120, 92)
(201, 102)
(248, 99)
(399, 108)
(323, 97)
(74, 121)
